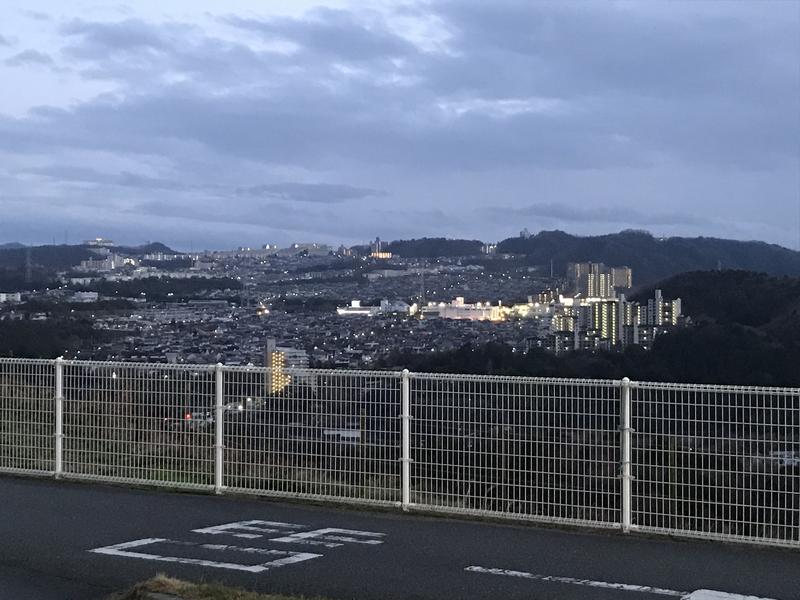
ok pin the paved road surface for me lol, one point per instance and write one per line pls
(67, 541)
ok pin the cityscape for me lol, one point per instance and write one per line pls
(294, 300)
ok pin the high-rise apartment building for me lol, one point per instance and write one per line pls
(596, 280)
(606, 319)
(603, 323)
(622, 277)
(278, 359)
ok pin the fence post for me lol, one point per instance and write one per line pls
(625, 446)
(406, 435)
(59, 438)
(218, 431)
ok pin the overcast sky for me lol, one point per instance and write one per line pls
(216, 124)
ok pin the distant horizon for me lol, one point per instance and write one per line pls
(129, 242)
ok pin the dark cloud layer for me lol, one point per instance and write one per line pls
(499, 94)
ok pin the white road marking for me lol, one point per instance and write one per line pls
(323, 537)
(712, 595)
(287, 557)
(574, 581)
(261, 527)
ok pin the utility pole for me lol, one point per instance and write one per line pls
(28, 266)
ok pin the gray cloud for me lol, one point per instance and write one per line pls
(93, 176)
(4, 41)
(618, 215)
(37, 15)
(513, 93)
(324, 193)
(29, 57)
(333, 34)
(310, 192)
(277, 219)
(130, 35)
(620, 107)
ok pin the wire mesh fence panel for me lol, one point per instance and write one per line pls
(312, 433)
(517, 447)
(139, 422)
(717, 462)
(27, 416)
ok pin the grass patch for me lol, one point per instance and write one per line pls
(161, 584)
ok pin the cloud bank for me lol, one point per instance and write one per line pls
(434, 118)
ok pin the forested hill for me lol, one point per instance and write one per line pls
(653, 259)
(433, 247)
(771, 305)
(148, 248)
(64, 256)
(742, 297)
(52, 257)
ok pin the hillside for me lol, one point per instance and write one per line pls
(65, 256)
(653, 259)
(768, 305)
(744, 297)
(50, 257)
(433, 247)
(149, 248)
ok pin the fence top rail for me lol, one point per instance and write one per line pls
(607, 383)
(714, 388)
(26, 361)
(149, 366)
(300, 372)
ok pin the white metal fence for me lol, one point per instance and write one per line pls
(717, 462)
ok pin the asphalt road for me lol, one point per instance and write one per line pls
(70, 541)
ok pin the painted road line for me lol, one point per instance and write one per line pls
(253, 529)
(713, 595)
(323, 537)
(124, 550)
(574, 581)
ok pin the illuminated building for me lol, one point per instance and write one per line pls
(660, 311)
(278, 359)
(377, 250)
(606, 319)
(672, 311)
(99, 242)
(596, 280)
(277, 379)
(108, 262)
(459, 310)
(386, 307)
(563, 323)
(355, 309)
